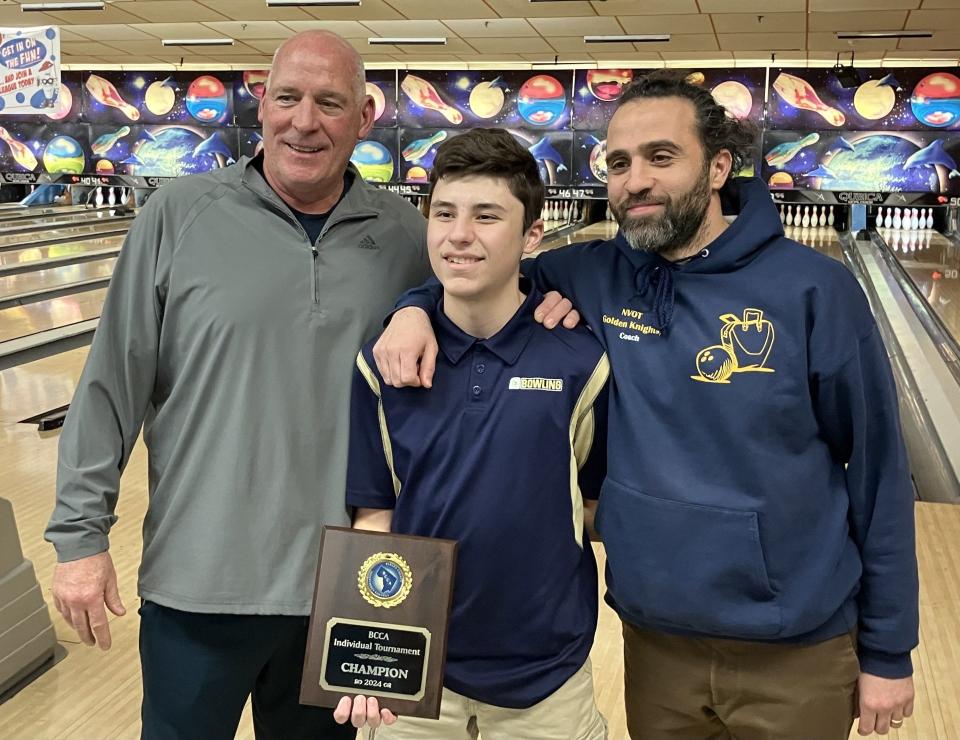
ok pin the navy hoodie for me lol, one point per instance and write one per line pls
(757, 484)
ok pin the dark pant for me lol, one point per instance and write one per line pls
(713, 689)
(199, 669)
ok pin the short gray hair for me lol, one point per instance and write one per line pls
(359, 73)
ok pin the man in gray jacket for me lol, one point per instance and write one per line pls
(236, 309)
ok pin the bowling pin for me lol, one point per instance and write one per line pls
(897, 221)
(823, 215)
(566, 211)
(608, 216)
(830, 217)
(929, 221)
(112, 198)
(914, 219)
(805, 221)
(789, 215)
(879, 221)
(99, 199)
(782, 215)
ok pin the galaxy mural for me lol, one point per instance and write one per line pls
(159, 98)
(382, 87)
(52, 148)
(247, 91)
(469, 98)
(885, 99)
(596, 92)
(374, 157)
(161, 151)
(879, 161)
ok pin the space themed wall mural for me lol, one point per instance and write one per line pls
(891, 131)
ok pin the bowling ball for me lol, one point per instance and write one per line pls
(171, 154)
(735, 97)
(936, 100)
(63, 106)
(104, 167)
(64, 154)
(417, 174)
(255, 82)
(715, 364)
(542, 100)
(379, 101)
(598, 161)
(207, 99)
(780, 180)
(159, 98)
(608, 84)
(373, 160)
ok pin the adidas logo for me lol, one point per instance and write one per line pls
(368, 243)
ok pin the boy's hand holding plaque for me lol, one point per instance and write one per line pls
(379, 622)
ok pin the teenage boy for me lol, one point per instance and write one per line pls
(505, 455)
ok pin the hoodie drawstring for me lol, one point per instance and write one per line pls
(658, 276)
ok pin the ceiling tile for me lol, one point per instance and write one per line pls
(761, 41)
(684, 42)
(427, 9)
(347, 29)
(249, 29)
(881, 20)
(751, 6)
(704, 56)
(648, 7)
(576, 45)
(829, 41)
(525, 9)
(453, 46)
(757, 23)
(576, 26)
(371, 10)
(533, 45)
(177, 30)
(495, 28)
(11, 15)
(166, 11)
(110, 32)
(871, 6)
(111, 14)
(928, 20)
(255, 10)
(947, 39)
(666, 23)
(407, 28)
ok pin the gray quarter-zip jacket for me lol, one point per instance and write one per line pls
(231, 340)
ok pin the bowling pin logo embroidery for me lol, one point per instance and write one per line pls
(745, 345)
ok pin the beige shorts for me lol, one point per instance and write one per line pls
(569, 713)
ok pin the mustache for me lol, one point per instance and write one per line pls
(641, 200)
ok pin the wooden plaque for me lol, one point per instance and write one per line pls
(379, 622)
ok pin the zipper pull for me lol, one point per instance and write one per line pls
(315, 251)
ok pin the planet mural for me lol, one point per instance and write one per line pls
(171, 152)
(417, 174)
(874, 101)
(104, 167)
(373, 160)
(63, 105)
(542, 100)
(735, 97)
(255, 82)
(64, 154)
(160, 97)
(780, 180)
(379, 101)
(608, 84)
(598, 161)
(877, 162)
(207, 99)
(936, 100)
(486, 99)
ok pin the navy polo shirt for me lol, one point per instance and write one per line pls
(497, 456)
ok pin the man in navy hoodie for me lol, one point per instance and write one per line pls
(758, 512)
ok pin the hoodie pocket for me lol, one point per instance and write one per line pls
(686, 566)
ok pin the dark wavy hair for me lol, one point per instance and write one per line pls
(718, 130)
(495, 153)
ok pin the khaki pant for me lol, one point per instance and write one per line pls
(569, 713)
(687, 687)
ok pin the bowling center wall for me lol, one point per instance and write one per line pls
(886, 132)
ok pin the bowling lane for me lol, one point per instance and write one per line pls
(598, 230)
(23, 321)
(55, 278)
(22, 213)
(74, 219)
(933, 263)
(822, 238)
(78, 251)
(22, 240)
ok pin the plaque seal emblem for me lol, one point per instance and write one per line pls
(385, 579)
